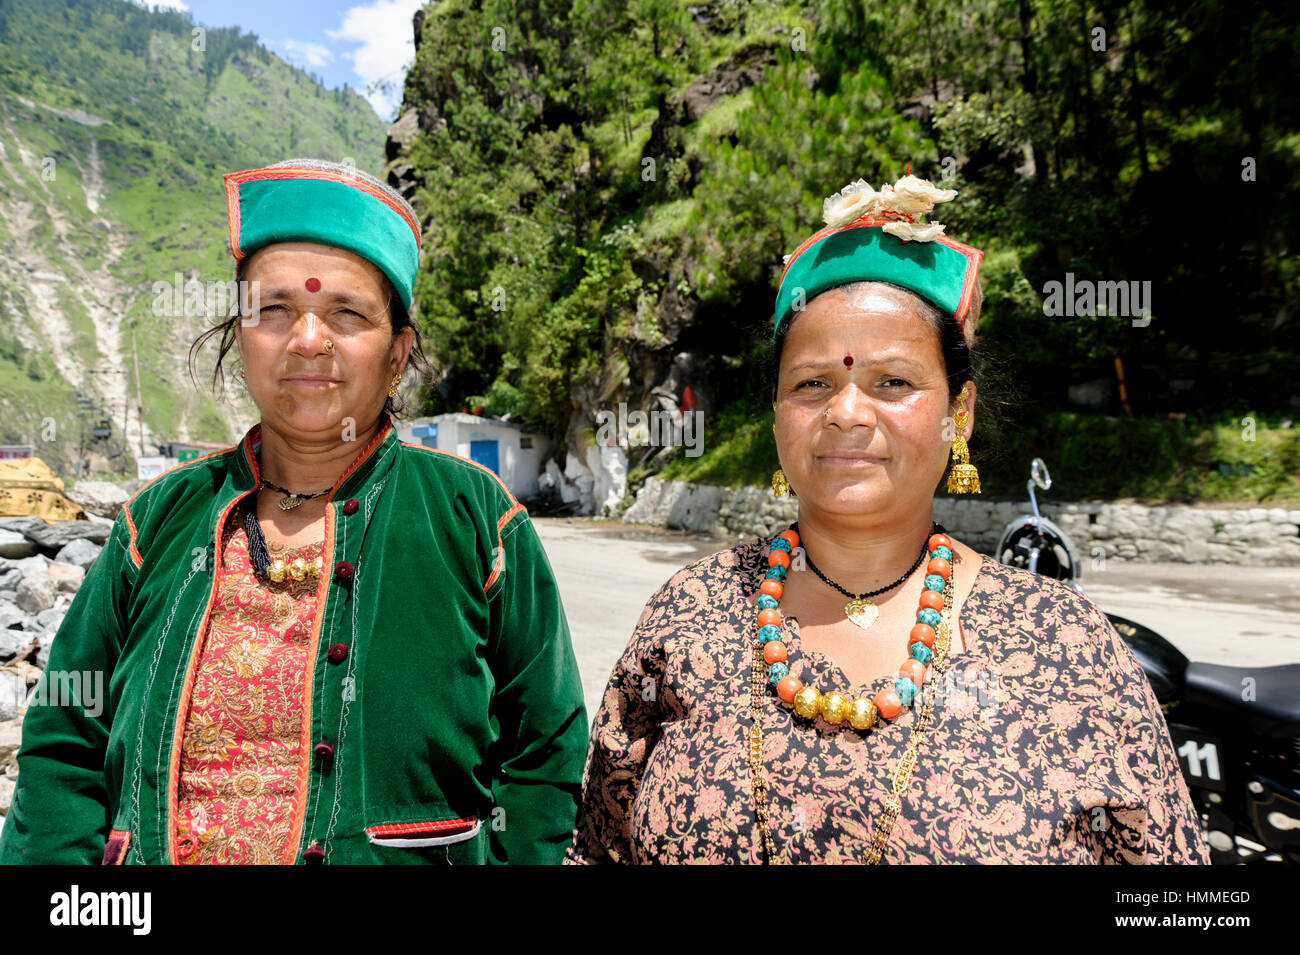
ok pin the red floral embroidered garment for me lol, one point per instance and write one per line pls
(1047, 744)
(243, 750)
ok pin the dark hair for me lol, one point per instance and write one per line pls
(399, 319)
(957, 355)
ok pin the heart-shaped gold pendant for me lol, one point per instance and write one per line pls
(862, 612)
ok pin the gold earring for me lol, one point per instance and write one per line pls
(392, 390)
(780, 486)
(963, 478)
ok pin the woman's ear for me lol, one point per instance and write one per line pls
(403, 342)
(966, 404)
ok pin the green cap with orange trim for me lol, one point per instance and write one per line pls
(312, 200)
(875, 236)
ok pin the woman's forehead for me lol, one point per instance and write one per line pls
(868, 319)
(288, 260)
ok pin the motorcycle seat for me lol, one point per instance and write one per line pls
(1274, 712)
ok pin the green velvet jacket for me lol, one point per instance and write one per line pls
(456, 712)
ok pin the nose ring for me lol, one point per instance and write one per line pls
(329, 345)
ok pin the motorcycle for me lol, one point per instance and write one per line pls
(1236, 730)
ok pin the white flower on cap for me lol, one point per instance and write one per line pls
(910, 196)
(852, 202)
(917, 196)
(914, 231)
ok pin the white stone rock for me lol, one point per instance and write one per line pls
(13, 695)
(80, 552)
(67, 577)
(35, 564)
(14, 545)
(12, 641)
(583, 480)
(608, 464)
(11, 737)
(98, 497)
(36, 593)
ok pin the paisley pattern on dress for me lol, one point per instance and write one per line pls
(1047, 744)
(243, 741)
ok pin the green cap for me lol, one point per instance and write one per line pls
(311, 200)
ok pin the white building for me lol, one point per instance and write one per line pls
(504, 447)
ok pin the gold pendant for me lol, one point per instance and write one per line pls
(290, 502)
(862, 612)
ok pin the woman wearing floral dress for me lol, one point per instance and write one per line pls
(864, 687)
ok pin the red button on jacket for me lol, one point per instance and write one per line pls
(350, 506)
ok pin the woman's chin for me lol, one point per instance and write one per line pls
(850, 496)
(309, 416)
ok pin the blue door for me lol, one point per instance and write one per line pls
(486, 454)
(427, 433)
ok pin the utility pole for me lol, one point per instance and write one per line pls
(139, 399)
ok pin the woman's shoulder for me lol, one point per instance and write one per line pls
(1013, 590)
(442, 472)
(711, 587)
(181, 484)
(730, 568)
(1005, 599)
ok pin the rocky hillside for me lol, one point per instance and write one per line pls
(116, 124)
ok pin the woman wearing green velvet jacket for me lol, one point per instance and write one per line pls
(322, 645)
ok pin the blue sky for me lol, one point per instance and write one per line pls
(358, 43)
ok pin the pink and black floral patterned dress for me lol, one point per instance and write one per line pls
(1047, 744)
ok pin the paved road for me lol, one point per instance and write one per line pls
(1216, 613)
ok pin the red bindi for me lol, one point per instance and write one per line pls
(848, 361)
(313, 285)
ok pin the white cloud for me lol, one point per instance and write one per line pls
(303, 52)
(386, 50)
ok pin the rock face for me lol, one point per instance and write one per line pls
(35, 593)
(1247, 536)
(647, 369)
(99, 497)
(55, 537)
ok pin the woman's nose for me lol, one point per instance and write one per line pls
(308, 334)
(849, 407)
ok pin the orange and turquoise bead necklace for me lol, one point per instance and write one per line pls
(836, 707)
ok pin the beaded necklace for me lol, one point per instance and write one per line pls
(928, 643)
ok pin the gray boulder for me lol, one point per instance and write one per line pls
(21, 525)
(14, 544)
(57, 536)
(36, 593)
(67, 577)
(80, 552)
(11, 737)
(13, 695)
(99, 497)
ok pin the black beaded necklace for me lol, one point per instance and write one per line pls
(257, 551)
(294, 498)
(860, 609)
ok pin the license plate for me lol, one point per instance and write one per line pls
(1201, 757)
